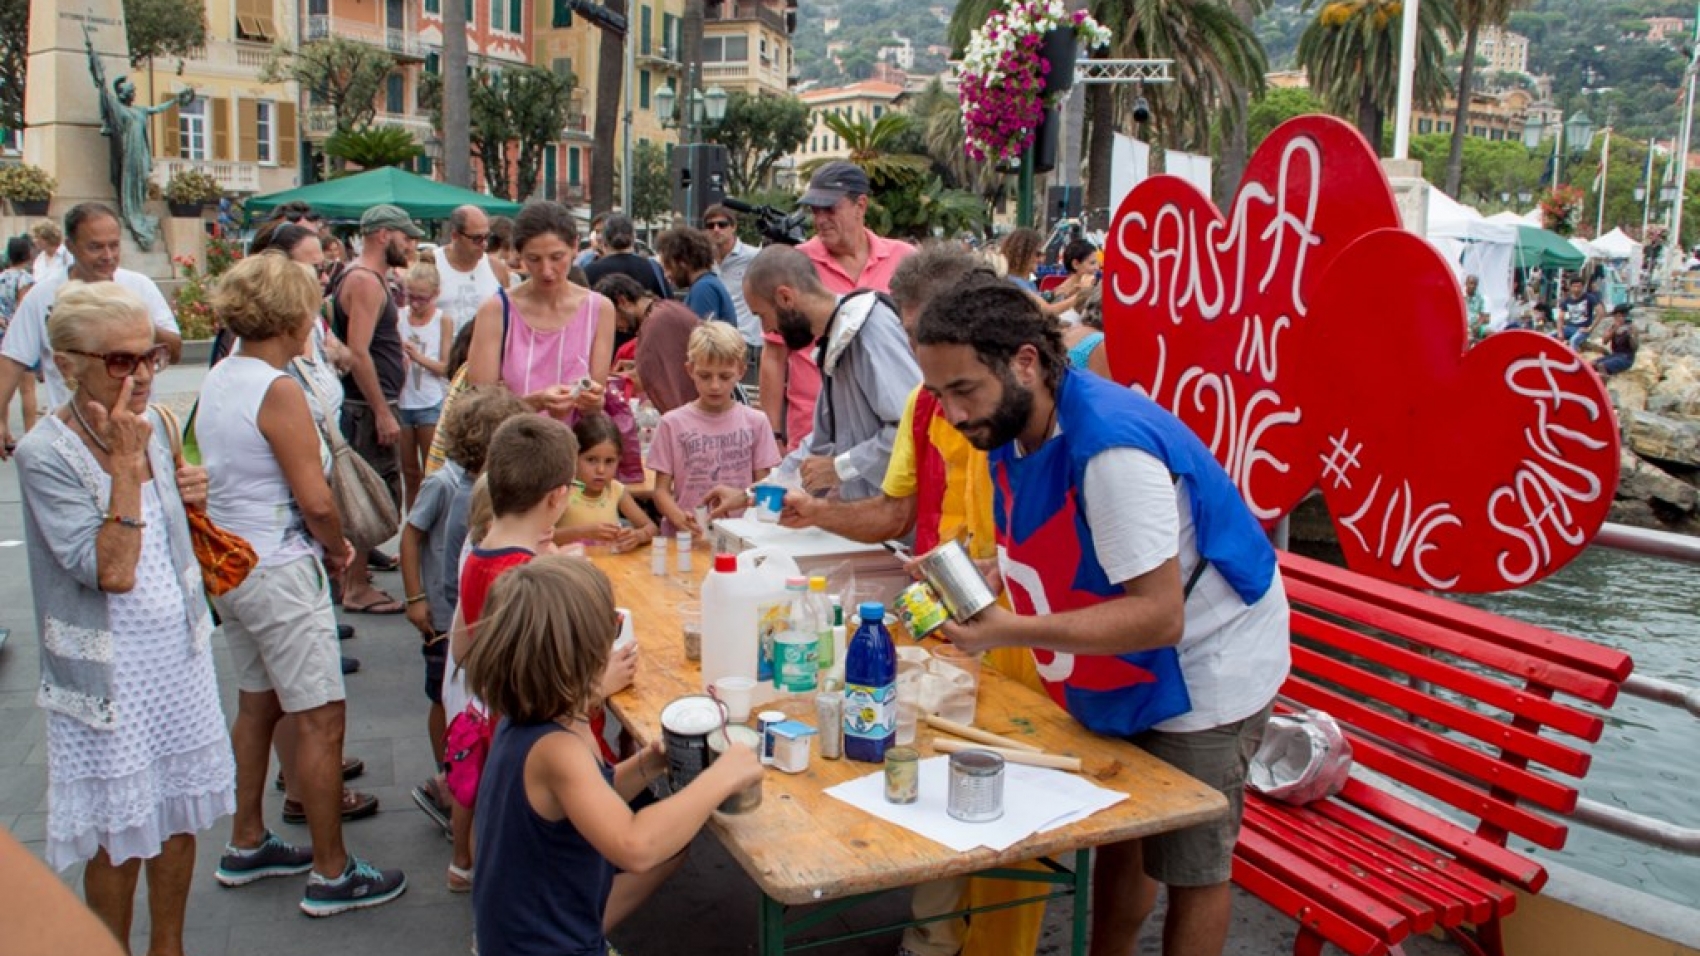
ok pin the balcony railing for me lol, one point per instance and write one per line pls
(321, 121)
(232, 177)
(771, 75)
(748, 10)
(403, 44)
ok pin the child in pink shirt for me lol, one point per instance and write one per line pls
(713, 442)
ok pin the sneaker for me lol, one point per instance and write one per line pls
(271, 858)
(360, 886)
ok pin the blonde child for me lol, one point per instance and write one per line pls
(711, 449)
(565, 858)
(598, 502)
(427, 334)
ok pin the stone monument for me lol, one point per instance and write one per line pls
(63, 107)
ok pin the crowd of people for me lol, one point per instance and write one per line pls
(496, 386)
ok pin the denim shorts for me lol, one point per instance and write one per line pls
(420, 417)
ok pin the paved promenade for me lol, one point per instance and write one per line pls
(709, 908)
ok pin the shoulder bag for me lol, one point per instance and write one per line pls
(369, 515)
(225, 558)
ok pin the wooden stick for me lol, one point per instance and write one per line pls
(974, 733)
(950, 745)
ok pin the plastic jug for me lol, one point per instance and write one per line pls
(733, 594)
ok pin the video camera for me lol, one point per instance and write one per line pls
(774, 226)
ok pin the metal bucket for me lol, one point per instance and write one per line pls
(956, 580)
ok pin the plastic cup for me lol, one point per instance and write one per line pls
(908, 718)
(959, 674)
(690, 624)
(769, 502)
(735, 693)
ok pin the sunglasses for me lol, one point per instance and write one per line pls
(121, 365)
(717, 225)
(478, 237)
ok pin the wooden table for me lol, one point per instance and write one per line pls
(804, 847)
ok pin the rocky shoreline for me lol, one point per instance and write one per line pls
(1658, 409)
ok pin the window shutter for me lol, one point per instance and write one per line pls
(516, 16)
(171, 138)
(247, 131)
(287, 148)
(219, 120)
(471, 19)
(563, 14)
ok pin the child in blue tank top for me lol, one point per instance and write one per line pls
(562, 858)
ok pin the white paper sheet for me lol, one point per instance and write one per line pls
(1035, 799)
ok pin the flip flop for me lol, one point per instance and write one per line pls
(383, 605)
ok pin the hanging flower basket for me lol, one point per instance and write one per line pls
(1007, 77)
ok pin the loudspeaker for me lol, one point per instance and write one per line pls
(699, 179)
(1063, 202)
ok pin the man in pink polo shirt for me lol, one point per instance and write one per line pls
(848, 256)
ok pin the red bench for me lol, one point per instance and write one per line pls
(1453, 703)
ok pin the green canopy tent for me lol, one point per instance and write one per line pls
(1548, 250)
(348, 197)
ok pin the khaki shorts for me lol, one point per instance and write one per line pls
(1203, 855)
(282, 634)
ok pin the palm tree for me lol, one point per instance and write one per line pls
(938, 115)
(1236, 139)
(870, 142)
(457, 102)
(908, 198)
(1351, 52)
(1474, 14)
(610, 72)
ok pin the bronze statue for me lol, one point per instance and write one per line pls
(126, 127)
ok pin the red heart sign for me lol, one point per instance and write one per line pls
(1207, 312)
(1443, 468)
(1307, 339)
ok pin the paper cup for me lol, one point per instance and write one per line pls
(735, 692)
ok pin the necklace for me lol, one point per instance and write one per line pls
(1050, 426)
(77, 413)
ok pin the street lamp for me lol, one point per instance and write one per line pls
(695, 161)
(1579, 131)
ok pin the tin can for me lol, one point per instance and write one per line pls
(956, 580)
(686, 724)
(748, 798)
(829, 718)
(765, 722)
(903, 775)
(920, 609)
(976, 786)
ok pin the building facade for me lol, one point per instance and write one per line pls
(1493, 116)
(868, 99)
(241, 131)
(746, 46)
(1504, 51)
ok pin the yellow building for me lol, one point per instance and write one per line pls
(1493, 116)
(240, 130)
(869, 99)
(746, 45)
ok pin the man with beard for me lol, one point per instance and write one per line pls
(1146, 590)
(865, 362)
(364, 316)
(94, 236)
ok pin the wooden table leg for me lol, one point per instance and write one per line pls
(1082, 897)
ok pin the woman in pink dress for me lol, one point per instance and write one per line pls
(548, 340)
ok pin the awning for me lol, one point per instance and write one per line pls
(348, 197)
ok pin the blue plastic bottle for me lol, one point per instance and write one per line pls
(870, 688)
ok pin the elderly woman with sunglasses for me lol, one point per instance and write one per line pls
(138, 758)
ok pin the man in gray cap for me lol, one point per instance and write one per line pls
(364, 316)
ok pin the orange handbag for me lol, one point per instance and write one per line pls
(225, 558)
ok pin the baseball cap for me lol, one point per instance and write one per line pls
(386, 216)
(1622, 308)
(833, 182)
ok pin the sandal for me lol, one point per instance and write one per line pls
(351, 767)
(355, 806)
(459, 880)
(383, 605)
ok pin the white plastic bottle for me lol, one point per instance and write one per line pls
(732, 594)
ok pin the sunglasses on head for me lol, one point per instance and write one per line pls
(122, 365)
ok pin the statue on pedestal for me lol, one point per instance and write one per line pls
(126, 127)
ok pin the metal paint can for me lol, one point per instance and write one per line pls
(829, 718)
(686, 724)
(976, 786)
(765, 722)
(920, 609)
(902, 775)
(748, 798)
(956, 580)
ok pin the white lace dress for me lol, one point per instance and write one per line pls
(167, 767)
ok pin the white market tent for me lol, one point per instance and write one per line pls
(1617, 246)
(1477, 246)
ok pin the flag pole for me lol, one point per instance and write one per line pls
(1605, 177)
(1407, 79)
(1647, 190)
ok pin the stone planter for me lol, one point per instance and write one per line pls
(30, 207)
(1059, 49)
(187, 210)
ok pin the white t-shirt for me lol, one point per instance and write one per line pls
(26, 338)
(1234, 656)
(46, 265)
(463, 292)
(423, 388)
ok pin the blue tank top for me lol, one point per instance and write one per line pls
(541, 887)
